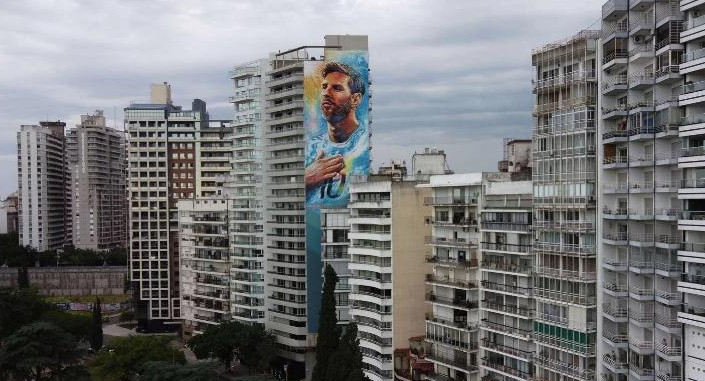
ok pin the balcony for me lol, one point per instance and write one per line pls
(564, 296)
(641, 51)
(692, 29)
(452, 342)
(693, 61)
(614, 9)
(565, 368)
(506, 369)
(505, 266)
(617, 111)
(611, 162)
(453, 262)
(457, 362)
(460, 323)
(566, 274)
(526, 312)
(614, 84)
(580, 250)
(451, 242)
(640, 371)
(505, 226)
(511, 330)
(506, 349)
(505, 247)
(615, 339)
(691, 93)
(669, 350)
(452, 282)
(451, 302)
(616, 290)
(446, 201)
(617, 314)
(524, 292)
(614, 136)
(616, 364)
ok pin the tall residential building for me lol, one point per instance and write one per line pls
(163, 168)
(639, 177)
(691, 193)
(292, 279)
(215, 149)
(564, 193)
(452, 324)
(96, 158)
(44, 191)
(335, 229)
(387, 266)
(244, 188)
(506, 266)
(204, 226)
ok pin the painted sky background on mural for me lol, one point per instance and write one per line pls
(452, 74)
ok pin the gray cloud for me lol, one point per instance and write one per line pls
(452, 74)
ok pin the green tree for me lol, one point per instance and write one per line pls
(123, 357)
(264, 344)
(96, 335)
(163, 371)
(219, 341)
(40, 350)
(18, 308)
(328, 330)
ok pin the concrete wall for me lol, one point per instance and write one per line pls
(409, 267)
(70, 281)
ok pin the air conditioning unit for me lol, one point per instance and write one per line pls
(638, 39)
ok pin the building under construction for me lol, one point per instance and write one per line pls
(564, 177)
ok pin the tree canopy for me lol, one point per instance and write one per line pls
(252, 345)
(164, 371)
(123, 357)
(41, 350)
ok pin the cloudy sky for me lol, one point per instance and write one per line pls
(450, 74)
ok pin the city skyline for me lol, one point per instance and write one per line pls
(421, 81)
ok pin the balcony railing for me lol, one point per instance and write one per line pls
(640, 370)
(565, 296)
(527, 333)
(459, 362)
(466, 200)
(506, 266)
(563, 367)
(506, 288)
(452, 261)
(615, 363)
(512, 309)
(669, 350)
(566, 274)
(507, 369)
(611, 56)
(615, 312)
(486, 343)
(496, 246)
(450, 281)
(693, 87)
(456, 242)
(617, 338)
(691, 278)
(575, 249)
(461, 323)
(464, 344)
(462, 303)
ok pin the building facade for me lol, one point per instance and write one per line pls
(386, 267)
(639, 177)
(506, 284)
(162, 169)
(96, 159)
(454, 243)
(9, 220)
(564, 201)
(245, 187)
(43, 181)
(691, 164)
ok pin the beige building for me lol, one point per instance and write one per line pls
(96, 158)
(387, 252)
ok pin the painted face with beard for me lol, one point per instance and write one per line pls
(336, 99)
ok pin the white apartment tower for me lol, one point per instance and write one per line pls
(506, 284)
(452, 323)
(387, 267)
(292, 282)
(43, 181)
(639, 178)
(96, 157)
(564, 193)
(244, 188)
(691, 193)
(163, 167)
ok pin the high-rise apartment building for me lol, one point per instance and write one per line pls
(506, 284)
(639, 177)
(387, 267)
(564, 201)
(691, 163)
(244, 187)
(335, 243)
(96, 159)
(452, 324)
(163, 167)
(44, 191)
(292, 278)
